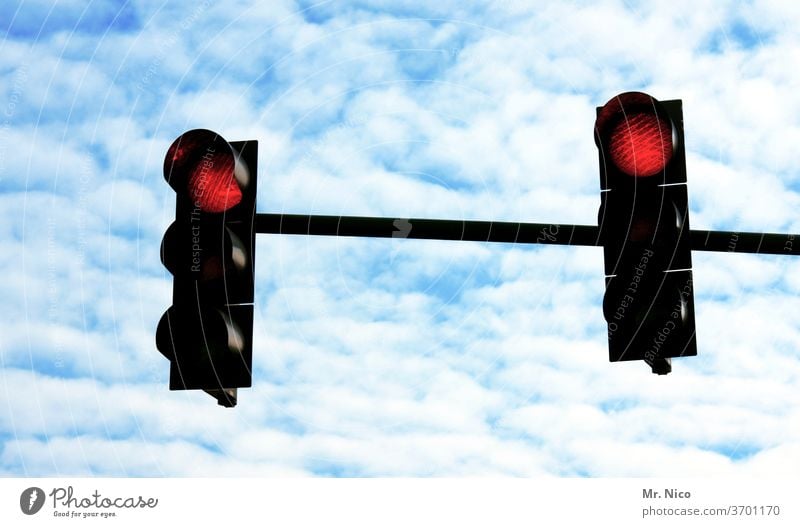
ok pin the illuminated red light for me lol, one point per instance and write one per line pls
(203, 163)
(641, 144)
(638, 139)
(212, 185)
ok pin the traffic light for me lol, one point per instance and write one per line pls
(644, 228)
(207, 333)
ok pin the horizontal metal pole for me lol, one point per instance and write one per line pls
(426, 229)
(745, 242)
(505, 232)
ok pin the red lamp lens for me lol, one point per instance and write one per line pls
(641, 144)
(211, 183)
(203, 163)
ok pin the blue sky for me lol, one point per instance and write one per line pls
(391, 357)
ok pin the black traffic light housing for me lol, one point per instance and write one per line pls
(644, 228)
(207, 334)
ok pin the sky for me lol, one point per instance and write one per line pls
(391, 357)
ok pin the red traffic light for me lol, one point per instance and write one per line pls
(203, 164)
(207, 333)
(636, 133)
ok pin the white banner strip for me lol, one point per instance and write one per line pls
(397, 502)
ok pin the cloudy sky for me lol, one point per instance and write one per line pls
(391, 357)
